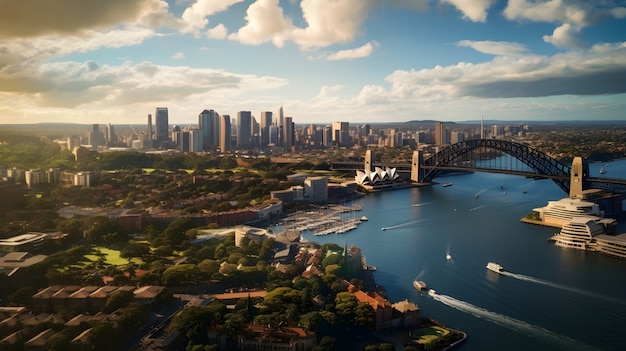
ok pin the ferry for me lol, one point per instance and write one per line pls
(494, 267)
(419, 285)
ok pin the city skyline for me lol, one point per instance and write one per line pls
(360, 61)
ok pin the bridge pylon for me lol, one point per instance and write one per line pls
(368, 160)
(417, 173)
(578, 178)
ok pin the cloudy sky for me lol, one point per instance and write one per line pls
(115, 61)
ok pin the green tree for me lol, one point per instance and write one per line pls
(117, 299)
(181, 274)
(175, 233)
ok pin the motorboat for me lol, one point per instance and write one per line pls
(419, 285)
(494, 267)
(445, 185)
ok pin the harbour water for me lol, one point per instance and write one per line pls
(550, 298)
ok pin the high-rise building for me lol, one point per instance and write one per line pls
(289, 131)
(225, 132)
(95, 136)
(111, 136)
(209, 124)
(244, 129)
(266, 122)
(441, 134)
(340, 134)
(162, 125)
(280, 123)
(195, 140)
(150, 127)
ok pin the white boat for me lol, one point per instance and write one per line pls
(492, 266)
(562, 211)
(448, 257)
(431, 292)
(602, 170)
(445, 185)
(419, 285)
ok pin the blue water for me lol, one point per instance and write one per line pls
(554, 298)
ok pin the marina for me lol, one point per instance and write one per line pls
(332, 219)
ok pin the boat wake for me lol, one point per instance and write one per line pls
(422, 204)
(562, 287)
(517, 325)
(401, 225)
(477, 208)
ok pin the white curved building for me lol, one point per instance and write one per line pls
(579, 233)
(377, 178)
(559, 213)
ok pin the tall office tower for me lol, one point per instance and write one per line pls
(73, 142)
(195, 140)
(340, 134)
(289, 131)
(495, 131)
(266, 122)
(184, 141)
(162, 125)
(111, 136)
(175, 136)
(441, 134)
(456, 137)
(244, 129)
(209, 124)
(95, 136)
(327, 136)
(280, 122)
(273, 135)
(225, 132)
(149, 126)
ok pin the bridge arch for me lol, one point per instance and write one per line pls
(544, 165)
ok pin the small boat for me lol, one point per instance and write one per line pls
(476, 196)
(448, 257)
(419, 285)
(383, 228)
(364, 219)
(431, 292)
(494, 267)
(602, 170)
(445, 185)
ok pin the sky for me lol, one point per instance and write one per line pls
(115, 61)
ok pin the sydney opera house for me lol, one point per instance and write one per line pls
(378, 178)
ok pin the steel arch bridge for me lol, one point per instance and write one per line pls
(461, 157)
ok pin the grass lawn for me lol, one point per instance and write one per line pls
(111, 257)
(429, 334)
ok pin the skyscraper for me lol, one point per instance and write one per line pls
(244, 129)
(289, 131)
(209, 124)
(340, 134)
(225, 132)
(266, 122)
(441, 135)
(150, 126)
(162, 125)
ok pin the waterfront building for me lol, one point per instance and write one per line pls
(579, 233)
(377, 179)
(316, 189)
(614, 245)
(558, 213)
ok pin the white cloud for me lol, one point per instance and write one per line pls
(499, 48)
(179, 55)
(360, 52)
(265, 22)
(599, 70)
(217, 32)
(195, 16)
(553, 11)
(565, 36)
(475, 10)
